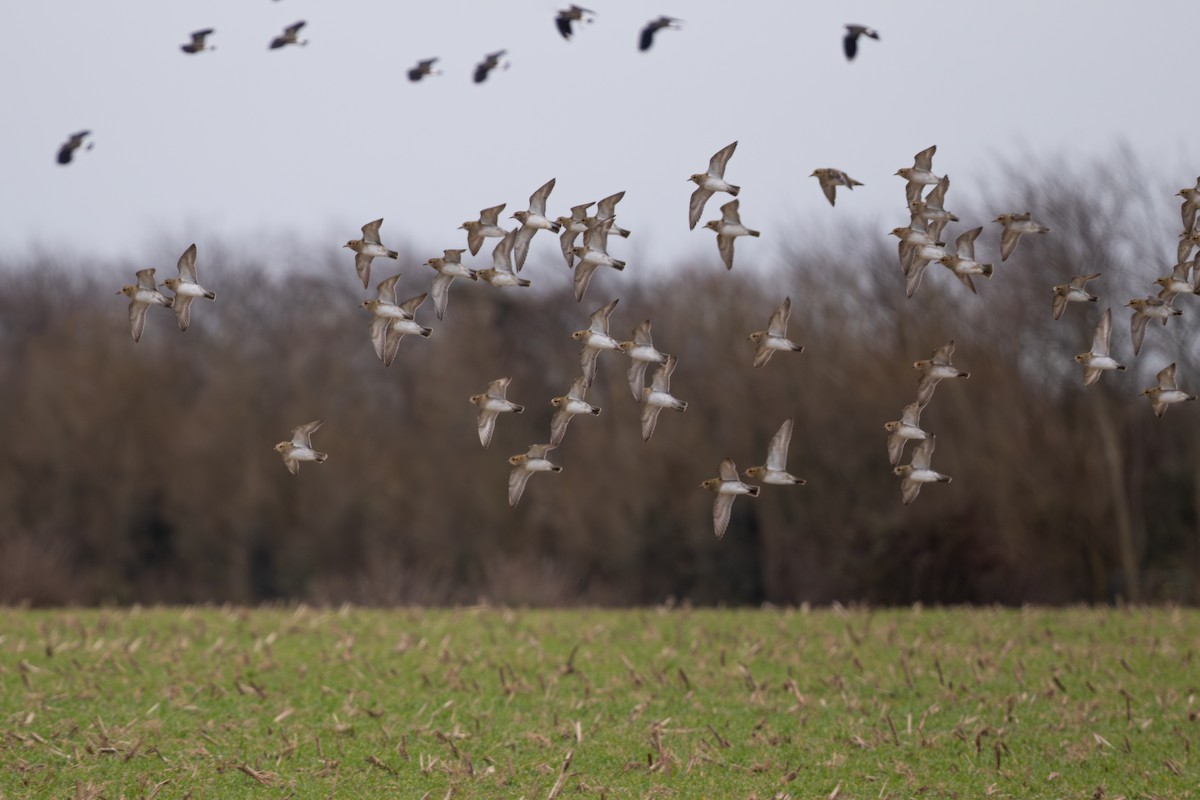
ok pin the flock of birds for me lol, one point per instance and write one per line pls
(920, 245)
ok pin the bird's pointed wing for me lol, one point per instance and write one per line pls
(1166, 378)
(409, 307)
(895, 448)
(1080, 281)
(137, 319)
(579, 212)
(607, 208)
(762, 354)
(474, 239)
(599, 318)
(362, 265)
(502, 254)
(728, 471)
(370, 231)
(925, 387)
(491, 216)
(649, 420)
(729, 212)
(944, 353)
(516, 484)
(386, 290)
(830, 190)
(583, 277)
(1059, 305)
(909, 490)
(379, 329)
(566, 241)
(916, 271)
(295, 27)
(964, 245)
(1137, 330)
(777, 326)
(596, 236)
(850, 44)
(937, 195)
(183, 310)
(539, 450)
(778, 449)
(587, 361)
(696, 205)
(641, 335)
(722, 511)
(558, 425)
(301, 434)
(564, 25)
(537, 200)
(966, 281)
(1091, 375)
(1102, 334)
(923, 453)
(924, 159)
(716, 164)
(487, 426)
(441, 292)
(498, 388)
(646, 38)
(1008, 242)
(521, 245)
(637, 378)
(145, 279)
(187, 264)
(911, 415)
(725, 248)
(578, 390)
(661, 382)
(391, 345)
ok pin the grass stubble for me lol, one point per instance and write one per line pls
(299, 702)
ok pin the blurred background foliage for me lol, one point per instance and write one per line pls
(145, 472)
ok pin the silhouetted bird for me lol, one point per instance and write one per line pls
(67, 151)
(654, 26)
(423, 68)
(568, 15)
(488, 64)
(197, 45)
(290, 35)
(850, 42)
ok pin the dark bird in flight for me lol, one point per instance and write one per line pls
(568, 15)
(850, 42)
(488, 64)
(197, 45)
(67, 151)
(423, 68)
(290, 35)
(653, 27)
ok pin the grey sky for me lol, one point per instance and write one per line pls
(243, 143)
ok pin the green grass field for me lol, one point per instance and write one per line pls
(409, 703)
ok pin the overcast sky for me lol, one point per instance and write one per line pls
(246, 144)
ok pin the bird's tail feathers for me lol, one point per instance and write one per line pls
(319, 457)
(734, 190)
(988, 269)
(393, 254)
